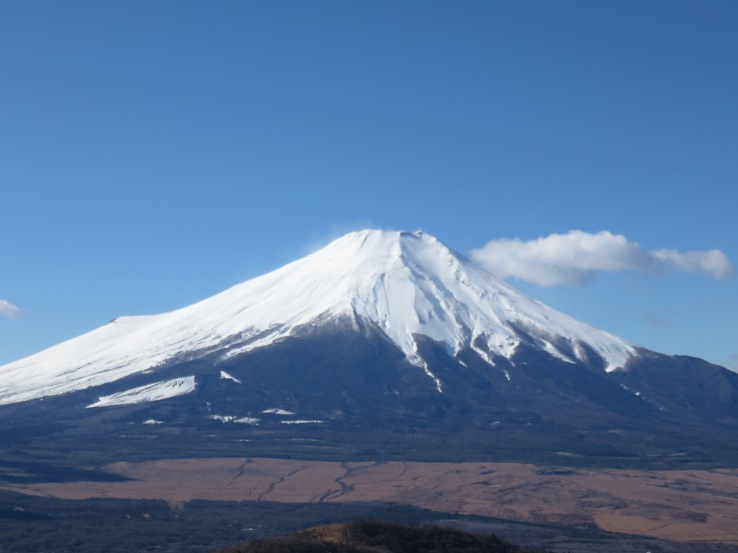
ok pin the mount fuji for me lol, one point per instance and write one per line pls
(384, 344)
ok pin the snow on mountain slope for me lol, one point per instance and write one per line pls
(406, 284)
(150, 392)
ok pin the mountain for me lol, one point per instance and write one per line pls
(403, 285)
(381, 343)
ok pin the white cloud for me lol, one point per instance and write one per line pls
(575, 258)
(713, 262)
(9, 310)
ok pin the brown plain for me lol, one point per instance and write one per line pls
(684, 505)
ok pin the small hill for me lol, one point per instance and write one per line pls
(378, 537)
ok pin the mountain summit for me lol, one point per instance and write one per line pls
(379, 345)
(406, 285)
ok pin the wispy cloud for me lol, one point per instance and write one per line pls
(656, 320)
(9, 310)
(733, 362)
(576, 257)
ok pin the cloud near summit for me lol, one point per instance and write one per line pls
(575, 258)
(9, 310)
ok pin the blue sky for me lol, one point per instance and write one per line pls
(153, 153)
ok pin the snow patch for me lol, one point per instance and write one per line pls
(222, 418)
(303, 422)
(225, 376)
(247, 420)
(234, 418)
(150, 392)
(277, 411)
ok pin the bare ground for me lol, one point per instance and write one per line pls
(684, 505)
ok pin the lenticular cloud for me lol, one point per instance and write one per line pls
(9, 310)
(575, 258)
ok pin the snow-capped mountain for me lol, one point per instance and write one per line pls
(405, 284)
(384, 344)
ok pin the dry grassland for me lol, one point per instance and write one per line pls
(687, 505)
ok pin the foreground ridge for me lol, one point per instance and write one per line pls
(379, 537)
